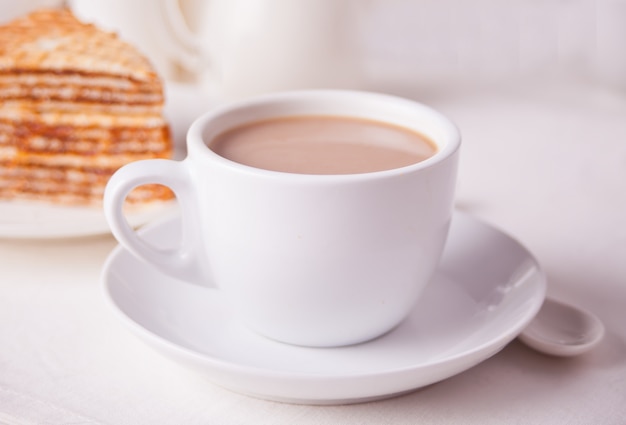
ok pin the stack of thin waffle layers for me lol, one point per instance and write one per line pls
(76, 103)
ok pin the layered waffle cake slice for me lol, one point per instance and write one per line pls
(76, 103)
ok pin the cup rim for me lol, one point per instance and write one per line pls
(197, 147)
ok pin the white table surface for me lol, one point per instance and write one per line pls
(546, 164)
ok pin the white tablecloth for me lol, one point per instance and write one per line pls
(546, 164)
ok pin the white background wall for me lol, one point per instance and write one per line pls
(435, 41)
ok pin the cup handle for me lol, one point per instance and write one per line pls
(185, 261)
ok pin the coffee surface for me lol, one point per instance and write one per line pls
(323, 145)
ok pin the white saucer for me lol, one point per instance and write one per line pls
(487, 289)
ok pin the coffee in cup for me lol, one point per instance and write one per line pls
(306, 255)
(323, 145)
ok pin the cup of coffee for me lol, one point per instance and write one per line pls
(321, 215)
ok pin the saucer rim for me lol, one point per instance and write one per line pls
(454, 364)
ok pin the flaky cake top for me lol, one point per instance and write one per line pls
(55, 41)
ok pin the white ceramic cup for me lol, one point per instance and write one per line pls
(316, 260)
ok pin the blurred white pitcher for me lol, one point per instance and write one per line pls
(238, 47)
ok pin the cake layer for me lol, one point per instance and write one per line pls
(92, 198)
(34, 78)
(35, 138)
(78, 87)
(14, 157)
(80, 185)
(84, 94)
(20, 113)
(28, 107)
